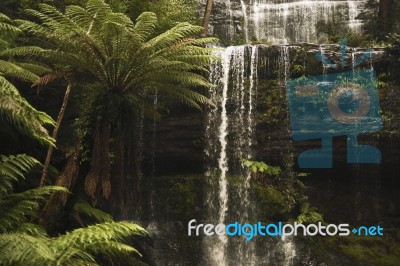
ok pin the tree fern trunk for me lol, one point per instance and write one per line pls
(125, 190)
(207, 15)
(53, 216)
(54, 135)
(97, 181)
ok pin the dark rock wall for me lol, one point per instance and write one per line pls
(179, 142)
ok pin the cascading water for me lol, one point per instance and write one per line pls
(287, 244)
(231, 30)
(285, 59)
(245, 21)
(230, 139)
(231, 133)
(232, 122)
(286, 21)
(220, 250)
(295, 21)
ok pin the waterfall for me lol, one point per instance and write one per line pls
(231, 123)
(245, 21)
(219, 252)
(289, 251)
(287, 244)
(285, 61)
(229, 134)
(246, 250)
(354, 10)
(231, 27)
(287, 21)
(325, 64)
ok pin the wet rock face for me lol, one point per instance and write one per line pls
(280, 22)
(177, 144)
(180, 142)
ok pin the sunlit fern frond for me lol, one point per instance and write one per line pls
(144, 27)
(19, 112)
(25, 249)
(12, 105)
(83, 207)
(104, 238)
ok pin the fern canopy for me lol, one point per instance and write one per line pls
(119, 54)
(12, 105)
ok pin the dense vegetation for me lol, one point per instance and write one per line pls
(107, 59)
(77, 80)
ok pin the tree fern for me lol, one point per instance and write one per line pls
(24, 243)
(122, 57)
(24, 249)
(117, 52)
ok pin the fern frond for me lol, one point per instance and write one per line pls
(112, 248)
(12, 70)
(84, 207)
(98, 8)
(101, 238)
(12, 169)
(20, 113)
(145, 25)
(172, 36)
(37, 69)
(7, 27)
(32, 230)
(80, 16)
(24, 249)
(18, 207)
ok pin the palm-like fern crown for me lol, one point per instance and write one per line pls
(119, 54)
(12, 105)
